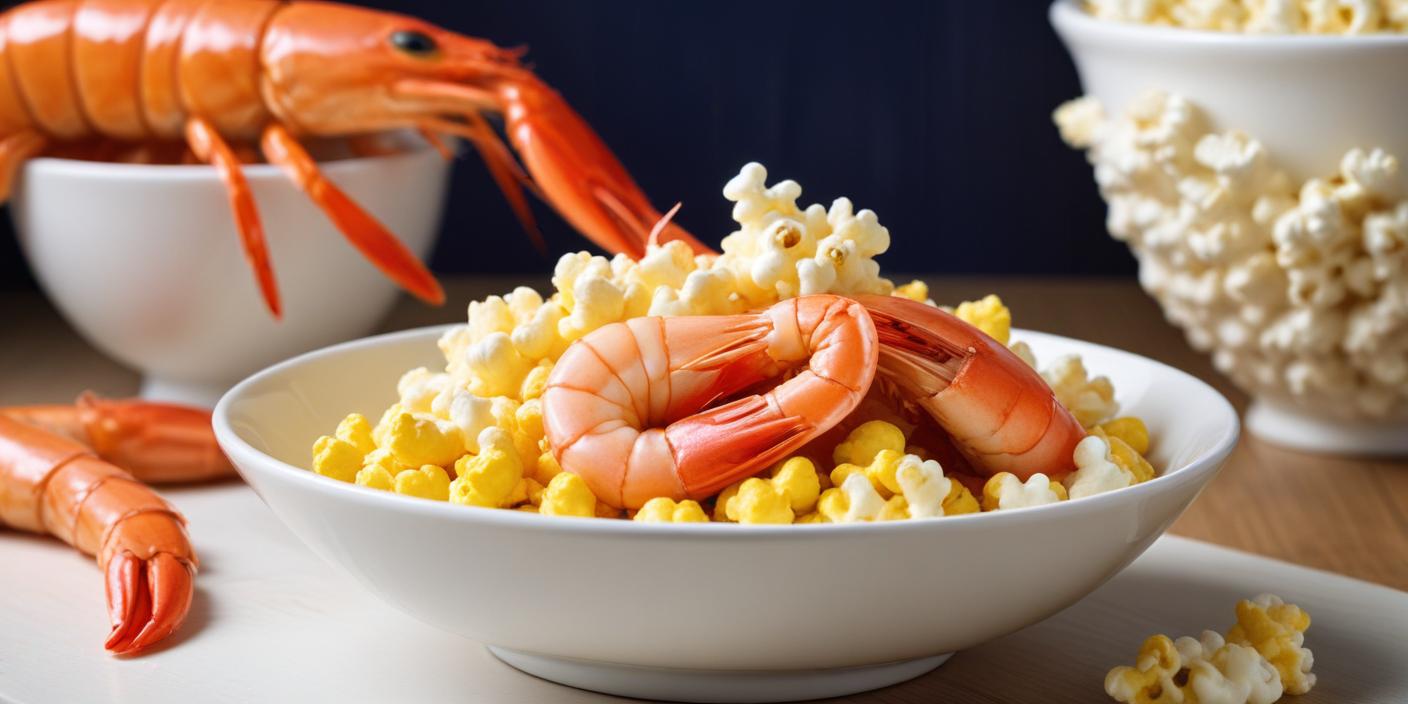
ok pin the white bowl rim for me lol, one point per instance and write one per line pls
(166, 173)
(238, 449)
(1066, 14)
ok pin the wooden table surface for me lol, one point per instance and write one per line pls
(1344, 515)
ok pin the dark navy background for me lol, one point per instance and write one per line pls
(935, 114)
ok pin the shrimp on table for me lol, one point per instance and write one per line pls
(628, 406)
(155, 442)
(128, 80)
(998, 412)
(56, 485)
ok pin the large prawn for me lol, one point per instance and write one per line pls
(125, 79)
(627, 407)
(77, 472)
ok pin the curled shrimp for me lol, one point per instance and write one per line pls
(53, 484)
(998, 412)
(625, 406)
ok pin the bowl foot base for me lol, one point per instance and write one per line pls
(192, 393)
(1290, 428)
(682, 685)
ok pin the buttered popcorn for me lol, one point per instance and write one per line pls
(1299, 291)
(1261, 16)
(473, 434)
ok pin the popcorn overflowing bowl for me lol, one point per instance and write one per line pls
(707, 612)
(1256, 179)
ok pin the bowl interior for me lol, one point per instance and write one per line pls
(281, 411)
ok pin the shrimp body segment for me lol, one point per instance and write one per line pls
(630, 407)
(1000, 414)
(56, 485)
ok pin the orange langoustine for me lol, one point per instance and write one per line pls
(131, 80)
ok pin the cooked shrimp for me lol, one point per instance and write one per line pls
(998, 411)
(628, 407)
(53, 484)
(156, 442)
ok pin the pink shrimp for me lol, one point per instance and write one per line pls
(625, 406)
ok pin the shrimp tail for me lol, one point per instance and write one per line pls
(742, 435)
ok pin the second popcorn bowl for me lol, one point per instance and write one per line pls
(709, 612)
(1256, 178)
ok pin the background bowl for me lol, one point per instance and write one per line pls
(145, 261)
(709, 612)
(1308, 100)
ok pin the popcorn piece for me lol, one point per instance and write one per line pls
(989, 315)
(1150, 677)
(428, 482)
(1220, 672)
(868, 439)
(336, 458)
(759, 501)
(1079, 121)
(923, 486)
(853, 501)
(420, 440)
(1124, 455)
(880, 472)
(1277, 631)
(495, 366)
(489, 478)
(1091, 401)
(567, 495)
(1096, 472)
(355, 430)
(376, 476)
(796, 480)
(1131, 430)
(419, 387)
(663, 509)
(1005, 491)
(915, 290)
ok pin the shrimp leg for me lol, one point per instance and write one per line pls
(15, 149)
(370, 237)
(210, 147)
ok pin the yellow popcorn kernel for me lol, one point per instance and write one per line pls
(813, 517)
(868, 439)
(854, 500)
(896, 509)
(796, 478)
(336, 458)
(383, 458)
(915, 290)
(960, 501)
(536, 381)
(663, 509)
(420, 441)
(567, 495)
(1129, 429)
(721, 501)
(428, 482)
(923, 486)
(989, 315)
(546, 468)
(383, 426)
(1276, 630)
(533, 490)
(1130, 460)
(1005, 491)
(759, 501)
(489, 478)
(376, 476)
(1151, 680)
(880, 471)
(355, 429)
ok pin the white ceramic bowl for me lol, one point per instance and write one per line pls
(1308, 100)
(709, 612)
(146, 263)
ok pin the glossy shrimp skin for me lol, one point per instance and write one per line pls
(634, 408)
(55, 485)
(998, 412)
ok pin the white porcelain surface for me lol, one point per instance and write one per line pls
(1308, 99)
(684, 596)
(146, 263)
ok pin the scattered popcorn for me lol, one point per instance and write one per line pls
(1091, 401)
(567, 495)
(1096, 472)
(853, 501)
(797, 481)
(1299, 291)
(1348, 17)
(1212, 670)
(376, 476)
(1004, 491)
(1129, 429)
(428, 482)
(923, 486)
(419, 440)
(915, 291)
(489, 478)
(355, 430)
(866, 441)
(336, 458)
(665, 510)
(988, 315)
(758, 501)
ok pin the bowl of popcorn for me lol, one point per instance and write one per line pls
(858, 561)
(1249, 156)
